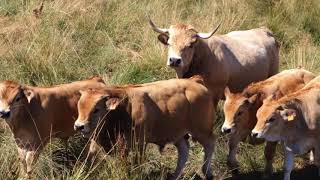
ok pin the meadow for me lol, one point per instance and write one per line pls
(71, 40)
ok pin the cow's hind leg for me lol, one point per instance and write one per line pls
(183, 153)
(269, 152)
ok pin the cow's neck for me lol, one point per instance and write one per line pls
(295, 129)
(24, 132)
(200, 61)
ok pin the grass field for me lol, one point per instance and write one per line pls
(74, 39)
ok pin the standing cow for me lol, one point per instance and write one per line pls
(234, 60)
(293, 120)
(36, 114)
(160, 112)
(240, 109)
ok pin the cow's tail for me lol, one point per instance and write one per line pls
(270, 34)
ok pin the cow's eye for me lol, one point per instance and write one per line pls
(95, 111)
(239, 113)
(18, 98)
(271, 120)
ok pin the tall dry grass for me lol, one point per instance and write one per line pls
(72, 39)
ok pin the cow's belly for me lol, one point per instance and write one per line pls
(162, 135)
(244, 70)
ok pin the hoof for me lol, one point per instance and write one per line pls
(234, 167)
(171, 176)
(209, 177)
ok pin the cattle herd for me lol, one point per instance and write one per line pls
(240, 67)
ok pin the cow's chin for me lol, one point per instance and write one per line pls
(180, 71)
(85, 134)
(272, 138)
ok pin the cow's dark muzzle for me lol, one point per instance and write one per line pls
(5, 114)
(174, 62)
(79, 127)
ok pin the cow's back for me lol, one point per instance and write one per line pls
(56, 107)
(166, 106)
(250, 56)
(288, 81)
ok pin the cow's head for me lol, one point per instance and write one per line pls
(273, 117)
(14, 99)
(93, 107)
(181, 40)
(238, 109)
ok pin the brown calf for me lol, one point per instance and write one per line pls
(36, 114)
(161, 112)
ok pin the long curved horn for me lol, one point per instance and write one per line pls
(157, 29)
(208, 35)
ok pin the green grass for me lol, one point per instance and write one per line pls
(75, 39)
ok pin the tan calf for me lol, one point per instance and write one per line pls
(293, 120)
(240, 109)
(36, 114)
(161, 112)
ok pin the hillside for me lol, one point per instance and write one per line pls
(73, 39)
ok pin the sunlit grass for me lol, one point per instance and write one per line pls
(74, 39)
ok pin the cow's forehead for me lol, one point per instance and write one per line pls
(266, 110)
(181, 34)
(88, 100)
(235, 100)
(8, 89)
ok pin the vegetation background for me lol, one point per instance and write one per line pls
(73, 39)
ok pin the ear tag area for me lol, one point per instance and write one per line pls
(291, 117)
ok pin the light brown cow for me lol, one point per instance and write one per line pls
(235, 59)
(240, 109)
(36, 114)
(294, 120)
(161, 112)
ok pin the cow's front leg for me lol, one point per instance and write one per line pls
(183, 153)
(233, 147)
(31, 157)
(288, 163)
(22, 157)
(316, 154)
(269, 153)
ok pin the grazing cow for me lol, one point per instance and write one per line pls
(160, 112)
(235, 59)
(294, 120)
(240, 109)
(36, 114)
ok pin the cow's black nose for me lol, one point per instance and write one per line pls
(226, 130)
(174, 62)
(253, 134)
(5, 114)
(178, 62)
(78, 127)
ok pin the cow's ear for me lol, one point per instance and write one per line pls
(113, 103)
(163, 38)
(29, 93)
(81, 92)
(253, 99)
(277, 95)
(288, 114)
(227, 91)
